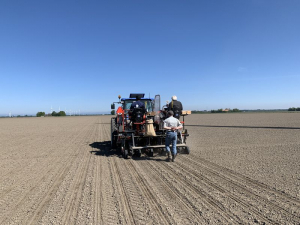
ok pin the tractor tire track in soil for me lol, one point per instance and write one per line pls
(285, 206)
(39, 186)
(63, 171)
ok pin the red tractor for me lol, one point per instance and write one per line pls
(138, 131)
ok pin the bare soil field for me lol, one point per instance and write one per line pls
(243, 169)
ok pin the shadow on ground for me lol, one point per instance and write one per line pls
(104, 149)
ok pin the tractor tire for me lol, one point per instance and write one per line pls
(113, 130)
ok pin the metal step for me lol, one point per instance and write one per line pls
(155, 146)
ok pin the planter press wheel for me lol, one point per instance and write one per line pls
(184, 138)
(151, 152)
(187, 150)
(138, 154)
(125, 154)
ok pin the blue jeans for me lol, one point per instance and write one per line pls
(171, 137)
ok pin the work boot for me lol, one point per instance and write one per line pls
(169, 157)
(173, 157)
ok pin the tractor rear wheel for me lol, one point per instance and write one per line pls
(113, 130)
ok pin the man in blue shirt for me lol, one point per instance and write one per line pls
(137, 111)
(137, 103)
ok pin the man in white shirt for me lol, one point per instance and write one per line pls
(172, 125)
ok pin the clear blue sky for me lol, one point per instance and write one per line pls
(80, 55)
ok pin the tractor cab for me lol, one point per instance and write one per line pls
(148, 102)
(126, 102)
(136, 115)
(126, 118)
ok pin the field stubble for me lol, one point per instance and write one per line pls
(243, 169)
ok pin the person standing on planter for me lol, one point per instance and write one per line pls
(176, 107)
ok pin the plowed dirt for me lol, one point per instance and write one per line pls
(243, 169)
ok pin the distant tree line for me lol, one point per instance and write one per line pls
(294, 109)
(198, 112)
(225, 110)
(60, 113)
(39, 114)
(216, 111)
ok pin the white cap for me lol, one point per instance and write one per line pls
(174, 97)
